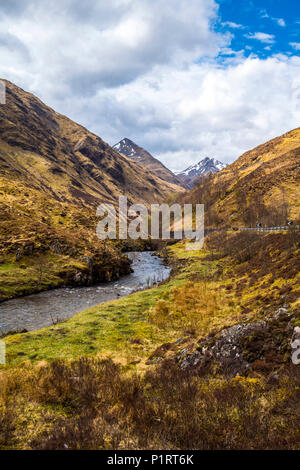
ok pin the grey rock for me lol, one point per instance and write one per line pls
(56, 247)
(19, 254)
(182, 352)
(178, 341)
(28, 249)
(89, 261)
(192, 360)
(296, 334)
(281, 312)
(224, 349)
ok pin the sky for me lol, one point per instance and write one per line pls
(185, 79)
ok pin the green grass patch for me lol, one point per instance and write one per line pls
(107, 329)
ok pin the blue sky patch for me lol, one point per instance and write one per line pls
(260, 28)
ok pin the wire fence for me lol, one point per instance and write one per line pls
(269, 229)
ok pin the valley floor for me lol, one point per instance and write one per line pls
(202, 361)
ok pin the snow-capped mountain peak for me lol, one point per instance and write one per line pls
(126, 147)
(139, 155)
(203, 167)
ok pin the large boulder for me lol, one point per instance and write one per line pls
(262, 346)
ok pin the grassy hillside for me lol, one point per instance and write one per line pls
(49, 152)
(53, 175)
(46, 243)
(263, 185)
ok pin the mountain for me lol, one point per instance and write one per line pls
(204, 167)
(131, 150)
(63, 159)
(262, 185)
(53, 175)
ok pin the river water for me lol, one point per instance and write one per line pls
(46, 308)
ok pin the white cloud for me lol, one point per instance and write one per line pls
(181, 116)
(151, 71)
(295, 45)
(264, 14)
(280, 22)
(112, 44)
(263, 37)
(232, 25)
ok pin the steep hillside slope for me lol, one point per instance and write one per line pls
(144, 158)
(206, 166)
(263, 185)
(53, 174)
(51, 153)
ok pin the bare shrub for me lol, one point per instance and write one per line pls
(95, 406)
(241, 246)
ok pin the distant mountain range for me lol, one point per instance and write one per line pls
(131, 150)
(204, 167)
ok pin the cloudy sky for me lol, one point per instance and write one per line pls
(184, 79)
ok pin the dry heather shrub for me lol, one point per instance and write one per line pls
(215, 241)
(160, 314)
(7, 413)
(82, 384)
(192, 413)
(193, 307)
(240, 246)
(7, 423)
(167, 408)
(83, 432)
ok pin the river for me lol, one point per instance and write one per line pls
(46, 308)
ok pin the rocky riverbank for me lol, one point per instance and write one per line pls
(31, 266)
(48, 308)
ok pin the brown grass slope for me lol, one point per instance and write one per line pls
(49, 152)
(261, 185)
(53, 174)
